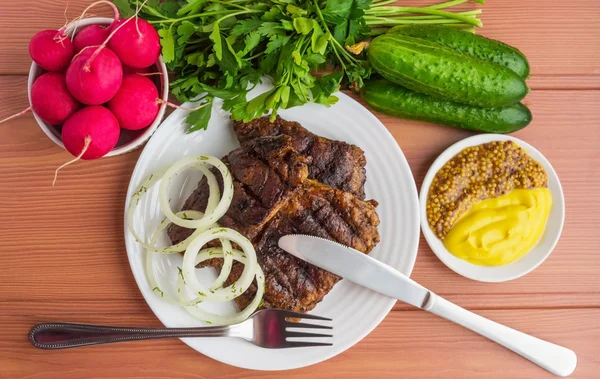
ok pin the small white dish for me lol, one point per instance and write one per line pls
(129, 139)
(533, 258)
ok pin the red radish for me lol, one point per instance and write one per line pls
(96, 123)
(136, 104)
(89, 134)
(51, 49)
(92, 35)
(95, 75)
(51, 100)
(135, 42)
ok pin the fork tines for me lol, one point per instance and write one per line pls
(294, 334)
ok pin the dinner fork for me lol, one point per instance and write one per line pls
(266, 328)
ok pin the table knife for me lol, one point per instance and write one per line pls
(368, 272)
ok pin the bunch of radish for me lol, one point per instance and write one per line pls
(93, 87)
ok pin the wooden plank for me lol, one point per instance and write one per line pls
(78, 223)
(407, 345)
(559, 37)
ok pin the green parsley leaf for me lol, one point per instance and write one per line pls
(198, 119)
(185, 30)
(277, 43)
(250, 42)
(295, 11)
(303, 25)
(337, 11)
(215, 37)
(246, 26)
(125, 9)
(192, 7)
(167, 43)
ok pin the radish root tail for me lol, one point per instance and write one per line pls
(25, 111)
(169, 104)
(86, 145)
(82, 16)
(148, 73)
(137, 11)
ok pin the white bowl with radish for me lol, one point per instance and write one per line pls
(89, 109)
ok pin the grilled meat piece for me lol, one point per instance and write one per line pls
(335, 163)
(316, 210)
(273, 197)
(265, 173)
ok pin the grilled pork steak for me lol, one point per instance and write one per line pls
(316, 210)
(273, 197)
(335, 163)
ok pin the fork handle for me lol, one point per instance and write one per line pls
(554, 358)
(59, 335)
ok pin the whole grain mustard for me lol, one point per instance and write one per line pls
(482, 204)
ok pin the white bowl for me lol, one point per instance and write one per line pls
(514, 269)
(129, 139)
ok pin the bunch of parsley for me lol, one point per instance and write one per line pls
(222, 48)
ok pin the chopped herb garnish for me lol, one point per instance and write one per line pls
(158, 290)
(201, 294)
(203, 158)
(151, 176)
(181, 274)
(208, 322)
(211, 291)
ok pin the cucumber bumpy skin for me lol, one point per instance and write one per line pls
(434, 70)
(394, 100)
(468, 43)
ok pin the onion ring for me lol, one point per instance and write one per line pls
(224, 293)
(237, 317)
(209, 218)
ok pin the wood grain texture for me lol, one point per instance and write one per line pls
(63, 256)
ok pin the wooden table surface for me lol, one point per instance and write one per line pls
(63, 256)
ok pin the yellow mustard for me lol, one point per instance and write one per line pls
(500, 230)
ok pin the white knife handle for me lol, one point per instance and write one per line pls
(554, 358)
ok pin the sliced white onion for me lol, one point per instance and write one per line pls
(218, 319)
(199, 162)
(224, 293)
(225, 270)
(206, 229)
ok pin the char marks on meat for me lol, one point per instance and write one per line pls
(290, 181)
(335, 163)
(265, 173)
(317, 210)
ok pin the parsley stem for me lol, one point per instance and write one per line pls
(400, 10)
(236, 14)
(230, 3)
(391, 13)
(255, 56)
(215, 13)
(447, 4)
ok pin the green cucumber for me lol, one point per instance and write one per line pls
(438, 71)
(468, 43)
(394, 100)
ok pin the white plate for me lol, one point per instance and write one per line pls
(355, 310)
(531, 260)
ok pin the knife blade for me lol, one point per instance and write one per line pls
(356, 267)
